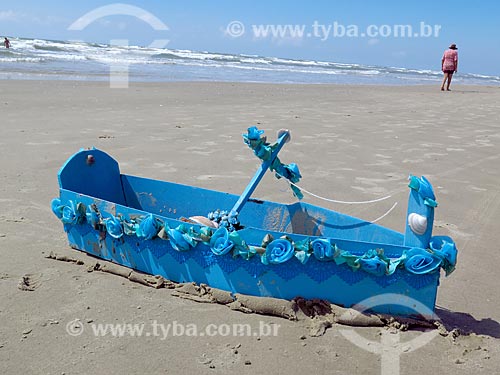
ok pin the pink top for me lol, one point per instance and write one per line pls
(450, 59)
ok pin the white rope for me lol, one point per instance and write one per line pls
(346, 202)
(335, 200)
(384, 215)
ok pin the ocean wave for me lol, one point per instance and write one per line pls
(171, 56)
(196, 56)
(493, 79)
(148, 61)
(48, 48)
(6, 52)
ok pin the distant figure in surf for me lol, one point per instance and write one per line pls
(6, 43)
(449, 65)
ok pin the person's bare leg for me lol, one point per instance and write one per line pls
(444, 81)
(449, 82)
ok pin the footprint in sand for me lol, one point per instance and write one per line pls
(30, 282)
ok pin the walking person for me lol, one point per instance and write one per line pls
(6, 43)
(449, 65)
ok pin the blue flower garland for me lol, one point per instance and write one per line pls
(442, 252)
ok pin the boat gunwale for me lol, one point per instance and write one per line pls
(244, 231)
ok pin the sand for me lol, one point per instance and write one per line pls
(351, 143)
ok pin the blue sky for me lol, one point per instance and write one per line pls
(202, 25)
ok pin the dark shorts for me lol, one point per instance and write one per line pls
(450, 72)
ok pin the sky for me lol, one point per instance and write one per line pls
(331, 30)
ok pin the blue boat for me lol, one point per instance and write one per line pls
(250, 246)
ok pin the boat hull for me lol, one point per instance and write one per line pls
(339, 284)
(274, 254)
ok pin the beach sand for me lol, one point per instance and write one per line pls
(351, 142)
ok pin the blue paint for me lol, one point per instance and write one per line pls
(336, 283)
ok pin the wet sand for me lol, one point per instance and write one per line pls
(352, 143)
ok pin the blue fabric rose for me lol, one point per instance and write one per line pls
(374, 265)
(73, 213)
(177, 240)
(278, 251)
(259, 146)
(253, 133)
(374, 262)
(114, 227)
(220, 243)
(419, 261)
(57, 207)
(322, 249)
(148, 227)
(444, 248)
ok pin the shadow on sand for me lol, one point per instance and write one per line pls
(467, 323)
